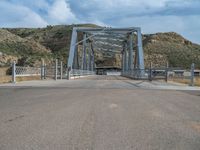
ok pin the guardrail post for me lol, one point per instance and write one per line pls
(61, 70)
(42, 70)
(192, 74)
(56, 69)
(14, 72)
(166, 72)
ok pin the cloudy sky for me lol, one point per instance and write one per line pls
(182, 16)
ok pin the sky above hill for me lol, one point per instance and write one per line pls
(182, 16)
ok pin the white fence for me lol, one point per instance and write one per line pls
(27, 71)
(55, 71)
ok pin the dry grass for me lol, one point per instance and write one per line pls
(197, 81)
(3, 71)
(8, 79)
(28, 78)
(186, 81)
(5, 79)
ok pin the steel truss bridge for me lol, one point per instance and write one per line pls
(124, 41)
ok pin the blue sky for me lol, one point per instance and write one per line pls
(182, 16)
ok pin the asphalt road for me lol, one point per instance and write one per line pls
(92, 116)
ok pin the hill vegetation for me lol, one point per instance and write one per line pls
(29, 45)
(25, 51)
(172, 47)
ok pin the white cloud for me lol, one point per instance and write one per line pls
(33, 4)
(154, 23)
(188, 26)
(60, 12)
(19, 16)
(181, 16)
(152, 15)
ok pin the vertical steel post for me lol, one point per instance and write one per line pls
(45, 71)
(75, 62)
(56, 69)
(14, 72)
(131, 51)
(92, 62)
(192, 74)
(42, 69)
(68, 73)
(61, 70)
(89, 57)
(140, 52)
(83, 67)
(72, 51)
(126, 58)
(134, 53)
(150, 72)
(166, 71)
(92, 57)
(122, 62)
(123, 59)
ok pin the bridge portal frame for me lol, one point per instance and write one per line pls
(129, 60)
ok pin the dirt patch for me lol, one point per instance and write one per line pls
(187, 81)
(5, 79)
(113, 106)
(196, 127)
(28, 78)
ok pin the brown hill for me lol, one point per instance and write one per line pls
(158, 48)
(24, 51)
(172, 47)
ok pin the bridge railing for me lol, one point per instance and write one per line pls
(136, 74)
(78, 73)
(146, 74)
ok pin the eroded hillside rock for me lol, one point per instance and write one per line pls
(159, 48)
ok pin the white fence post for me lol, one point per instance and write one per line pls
(14, 72)
(45, 71)
(192, 74)
(166, 72)
(42, 70)
(56, 69)
(61, 70)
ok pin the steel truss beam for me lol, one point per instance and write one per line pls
(114, 30)
(129, 61)
(84, 52)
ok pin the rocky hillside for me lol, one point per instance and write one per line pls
(172, 47)
(22, 50)
(30, 45)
